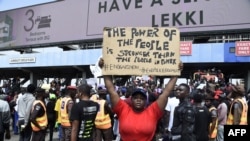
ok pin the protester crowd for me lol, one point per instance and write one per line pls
(126, 109)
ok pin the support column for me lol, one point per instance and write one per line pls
(247, 81)
(33, 79)
(84, 81)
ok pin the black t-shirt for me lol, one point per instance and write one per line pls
(51, 113)
(85, 112)
(202, 120)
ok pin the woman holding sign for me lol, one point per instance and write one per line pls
(136, 121)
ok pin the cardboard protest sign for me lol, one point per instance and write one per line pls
(141, 51)
(95, 69)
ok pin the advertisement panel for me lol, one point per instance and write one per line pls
(187, 15)
(77, 20)
(242, 48)
(51, 23)
(186, 48)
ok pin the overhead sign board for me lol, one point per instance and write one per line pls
(187, 15)
(78, 20)
(22, 60)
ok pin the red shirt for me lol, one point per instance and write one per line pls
(137, 126)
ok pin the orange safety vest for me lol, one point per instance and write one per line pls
(43, 120)
(214, 132)
(64, 112)
(102, 120)
(243, 119)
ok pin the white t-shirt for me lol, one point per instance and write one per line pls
(172, 103)
(19, 96)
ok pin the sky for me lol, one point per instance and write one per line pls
(13, 4)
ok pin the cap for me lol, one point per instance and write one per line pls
(139, 91)
(159, 90)
(123, 89)
(45, 86)
(71, 87)
(239, 89)
(101, 87)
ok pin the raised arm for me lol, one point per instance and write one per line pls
(163, 98)
(114, 97)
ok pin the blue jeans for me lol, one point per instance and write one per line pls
(60, 132)
(220, 133)
(15, 129)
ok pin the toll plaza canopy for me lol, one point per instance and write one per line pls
(74, 62)
(64, 23)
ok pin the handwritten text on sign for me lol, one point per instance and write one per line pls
(141, 50)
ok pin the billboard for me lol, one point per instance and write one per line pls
(51, 23)
(187, 15)
(77, 20)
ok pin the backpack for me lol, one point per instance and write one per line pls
(188, 122)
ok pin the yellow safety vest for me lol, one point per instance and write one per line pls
(243, 119)
(94, 97)
(214, 132)
(43, 120)
(102, 120)
(64, 112)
